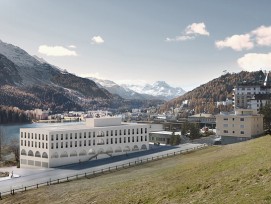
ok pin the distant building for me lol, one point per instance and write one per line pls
(162, 137)
(99, 138)
(203, 119)
(241, 125)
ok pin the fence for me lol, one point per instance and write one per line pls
(92, 174)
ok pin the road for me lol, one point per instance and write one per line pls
(30, 177)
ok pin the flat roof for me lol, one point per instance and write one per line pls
(80, 127)
(166, 132)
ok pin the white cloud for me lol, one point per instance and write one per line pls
(262, 35)
(255, 61)
(72, 46)
(197, 28)
(57, 51)
(190, 32)
(236, 42)
(180, 38)
(97, 40)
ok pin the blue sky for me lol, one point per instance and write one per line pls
(185, 43)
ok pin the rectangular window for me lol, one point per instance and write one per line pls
(22, 143)
(52, 137)
(136, 138)
(124, 139)
(107, 141)
(52, 145)
(22, 134)
(242, 126)
(111, 132)
(242, 119)
(225, 125)
(66, 136)
(128, 131)
(107, 133)
(146, 138)
(46, 137)
(56, 136)
(31, 143)
(70, 143)
(89, 143)
(128, 139)
(75, 136)
(141, 138)
(43, 145)
(80, 143)
(35, 136)
(141, 130)
(61, 136)
(89, 135)
(120, 139)
(225, 131)
(28, 135)
(120, 132)
(46, 145)
(32, 136)
(93, 142)
(39, 136)
(146, 130)
(242, 132)
(111, 141)
(85, 143)
(36, 144)
(61, 144)
(225, 118)
(116, 140)
(133, 139)
(80, 135)
(42, 136)
(75, 144)
(71, 136)
(85, 135)
(93, 134)
(116, 132)
(39, 144)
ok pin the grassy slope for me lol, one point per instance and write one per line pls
(239, 173)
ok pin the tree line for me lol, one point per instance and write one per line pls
(12, 115)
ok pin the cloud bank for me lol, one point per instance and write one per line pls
(261, 36)
(255, 61)
(56, 51)
(190, 32)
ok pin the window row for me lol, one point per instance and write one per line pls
(94, 153)
(37, 153)
(226, 131)
(34, 136)
(99, 141)
(27, 143)
(81, 135)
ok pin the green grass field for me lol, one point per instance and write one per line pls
(238, 173)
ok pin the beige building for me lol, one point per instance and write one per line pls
(241, 125)
(98, 138)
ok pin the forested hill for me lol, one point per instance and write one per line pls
(203, 98)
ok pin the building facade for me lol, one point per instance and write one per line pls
(241, 125)
(98, 138)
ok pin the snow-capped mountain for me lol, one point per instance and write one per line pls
(159, 89)
(114, 88)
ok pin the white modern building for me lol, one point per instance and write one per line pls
(98, 138)
(241, 125)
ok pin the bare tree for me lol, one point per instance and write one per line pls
(15, 148)
(2, 140)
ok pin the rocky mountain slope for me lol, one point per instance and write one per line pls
(29, 82)
(203, 98)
